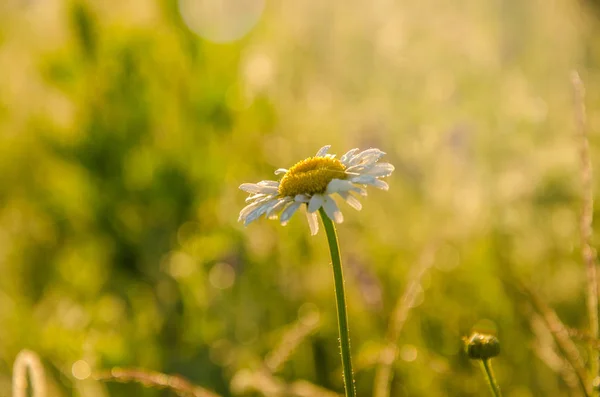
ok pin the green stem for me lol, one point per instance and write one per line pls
(338, 277)
(487, 368)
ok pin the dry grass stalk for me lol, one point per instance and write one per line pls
(182, 387)
(561, 336)
(266, 384)
(545, 348)
(585, 225)
(585, 337)
(28, 360)
(383, 374)
(262, 381)
(291, 339)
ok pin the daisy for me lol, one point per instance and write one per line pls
(313, 182)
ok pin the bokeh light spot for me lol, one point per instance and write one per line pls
(221, 21)
(81, 370)
(221, 352)
(408, 353)
(181, 265)
(258, 73)
(221, 275)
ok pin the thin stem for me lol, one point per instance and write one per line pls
(28, 360)
(338, 277)
(560, 334)
(586, 219)
(178, 384)
(487, 368)
(383, 373)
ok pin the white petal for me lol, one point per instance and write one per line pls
(339, 185)
(256, 213)
(250, 187)
(380, 184)
(355, 169)
(332, 210)
(303, 198)
(348, 155)
(313, 222)
(316, 201)
(261, 197)
(370, 180)
(288, 212)
(249, 208)
(351, 200)
(322, 151)
(256, 188)
(244, 212)
(268, 183)
(371, 152)
(366, 156)
(344, 186)
(361, 190)
(363, 179)
(253, 197)
(380, 170)
(267, 197)
(278, 206)
(270, 189)
(279, 171)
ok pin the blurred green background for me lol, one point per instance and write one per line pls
(127, 126)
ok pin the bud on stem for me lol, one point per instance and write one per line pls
(483, 347)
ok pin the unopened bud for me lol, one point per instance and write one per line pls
(482, 346)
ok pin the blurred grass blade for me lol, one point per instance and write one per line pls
(246, 381)
(297, 333)
(586, 220)
(84, 26)
(179, 385)
(383, 374)
(28, 361)
(561, 335)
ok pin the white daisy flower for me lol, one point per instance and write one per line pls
(313, 182)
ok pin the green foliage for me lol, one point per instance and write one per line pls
(124, 137)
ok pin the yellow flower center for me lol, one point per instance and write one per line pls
(311, 176)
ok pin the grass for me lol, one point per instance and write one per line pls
(124, 136)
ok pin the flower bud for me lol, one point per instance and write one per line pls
(482, 346)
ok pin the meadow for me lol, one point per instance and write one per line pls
(126, 128)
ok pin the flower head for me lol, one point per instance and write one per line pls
(313, 182)
(482, 346)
